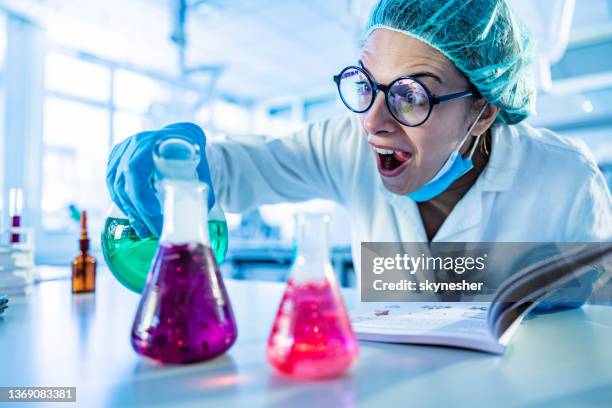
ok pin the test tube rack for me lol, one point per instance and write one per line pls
(16, 261)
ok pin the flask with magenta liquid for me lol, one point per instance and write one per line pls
(128, 256)
(184, 315)
(312, 337)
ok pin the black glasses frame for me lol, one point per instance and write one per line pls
(376, 87)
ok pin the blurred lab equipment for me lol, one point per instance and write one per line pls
(16, 250)
(15, 211)
(83, 265)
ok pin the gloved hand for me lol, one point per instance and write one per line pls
(570, 296)
(129, 176)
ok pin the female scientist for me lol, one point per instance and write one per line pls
(434, 147)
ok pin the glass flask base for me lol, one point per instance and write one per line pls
(184, 315)
(312, 338)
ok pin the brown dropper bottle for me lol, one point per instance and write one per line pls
(83, 265)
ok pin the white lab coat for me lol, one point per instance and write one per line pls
(537, 186)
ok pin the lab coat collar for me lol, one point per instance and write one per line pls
(410, 210)
(501, 170)
(498, 176)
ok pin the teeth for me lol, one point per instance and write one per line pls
(384, 151)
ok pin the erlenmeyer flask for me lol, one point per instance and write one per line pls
(129, 257)
(312, 336)
(184, 315)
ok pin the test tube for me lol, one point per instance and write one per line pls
(15, 211)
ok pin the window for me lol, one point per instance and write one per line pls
(322, 109)
(3, 36)
(126, 124)
(2, 41)
(89, 106)
(76, 77)
(76, 132)
(137, 93)
(230, 118)
(75, 138)
(142, 102)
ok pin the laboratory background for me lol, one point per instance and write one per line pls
(79, 76)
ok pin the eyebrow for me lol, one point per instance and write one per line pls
(414, 75)
(426, 74)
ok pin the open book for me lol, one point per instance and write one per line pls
(482, 326)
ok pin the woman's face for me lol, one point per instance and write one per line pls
(422, 150)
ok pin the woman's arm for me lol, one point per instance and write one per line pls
(317, 162)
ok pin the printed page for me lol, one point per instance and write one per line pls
(443, 323)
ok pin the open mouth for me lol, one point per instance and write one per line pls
(391, 162)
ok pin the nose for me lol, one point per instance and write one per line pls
(378, 120)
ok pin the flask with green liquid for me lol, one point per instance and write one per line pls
(129, 257)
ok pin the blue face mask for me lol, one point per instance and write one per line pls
(455, 167)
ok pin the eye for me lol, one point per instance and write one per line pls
(363, 88)
(405, 106)
(410, 94)
(419, 97)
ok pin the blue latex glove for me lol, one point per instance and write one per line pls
(129, 176)
(3, 303)
(572, 295)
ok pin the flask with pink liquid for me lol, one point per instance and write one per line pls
(312, 336)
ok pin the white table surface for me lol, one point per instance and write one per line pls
(52, 338)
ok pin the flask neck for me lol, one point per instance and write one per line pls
(84, 246)
(177, 158)
(312, 259)
(185, 215)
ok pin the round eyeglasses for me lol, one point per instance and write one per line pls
(408, 99)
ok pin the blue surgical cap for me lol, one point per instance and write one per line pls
(483, 38)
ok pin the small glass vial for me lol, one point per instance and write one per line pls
(312, 336)
(15, 212)
(83, 265)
